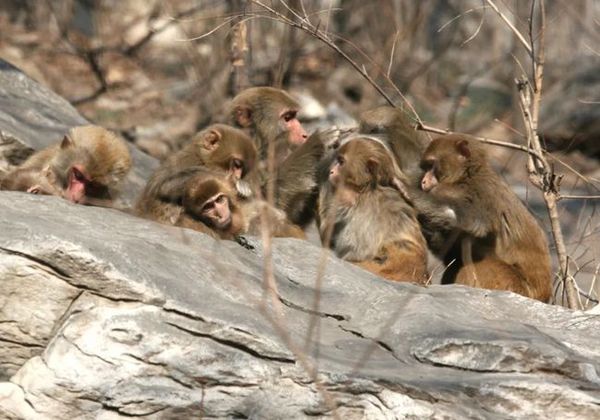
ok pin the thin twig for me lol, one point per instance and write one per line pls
(518, 34)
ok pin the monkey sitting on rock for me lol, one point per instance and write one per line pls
(86, 167)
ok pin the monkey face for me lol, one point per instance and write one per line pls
(289, 121)
(336, 169)
(445, 161)
(217, 212)
(76, 184)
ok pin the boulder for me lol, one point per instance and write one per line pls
(33, 117)
(104, 315)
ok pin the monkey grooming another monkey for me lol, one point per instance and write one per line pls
(85, 167)
(218, 148)
(501, 244)
(364, 213)
(392, 125)
(210, 201)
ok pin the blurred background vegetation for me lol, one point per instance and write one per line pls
(156, 71)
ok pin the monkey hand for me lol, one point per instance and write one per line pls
(243, 189)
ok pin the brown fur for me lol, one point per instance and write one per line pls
(368, 217)
(247, 215)
(393, 126)
(211, 149)
(104, 156)
(298, 178)
(508, 247)
(29, 180)
(258, 109)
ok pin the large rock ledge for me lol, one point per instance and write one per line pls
(107, 316)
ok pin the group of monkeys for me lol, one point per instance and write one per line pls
(381, 195)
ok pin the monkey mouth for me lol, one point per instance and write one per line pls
(224, 224)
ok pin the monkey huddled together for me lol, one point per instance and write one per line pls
(381, 196)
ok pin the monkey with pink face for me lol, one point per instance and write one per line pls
(86, 167)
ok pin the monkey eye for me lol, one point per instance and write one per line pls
(208, 206)
(78, 175)
(237, 164)
(220, 199)
(340, 160)
(427, 164)
(289, 115)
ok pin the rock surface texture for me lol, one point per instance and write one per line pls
(108, 316)
(33, 117)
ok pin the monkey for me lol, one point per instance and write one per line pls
(211, 202)
(298, 178)
(86, 167)
(270, 115)
(218, 148)
(501, 245)
(393, 126)
(364, 214)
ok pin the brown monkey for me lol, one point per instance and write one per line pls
(218, 147)
(501, 244)
(85, 167)
(270, 115)
(363, 208)
(299, 176)
(210, 201)
(393, 126)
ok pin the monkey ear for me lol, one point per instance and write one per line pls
(373, 168)
(66, 142)
(463, 148)
(211, 140)
(243, 116)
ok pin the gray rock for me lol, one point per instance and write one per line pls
(33, 117)
(108, 316)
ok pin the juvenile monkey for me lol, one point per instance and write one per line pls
(270, 115)
(85, 167)
(211, 202)
(218, 148)
(364, 215)
(501, 245)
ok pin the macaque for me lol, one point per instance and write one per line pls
(210, 202)
(270, 115)
(85, 167)
(393, 126)
(364, 214)
(217, 148)
(298, 178)
(500, 244)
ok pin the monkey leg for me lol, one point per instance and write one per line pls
(492, 273)
(398, 264)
